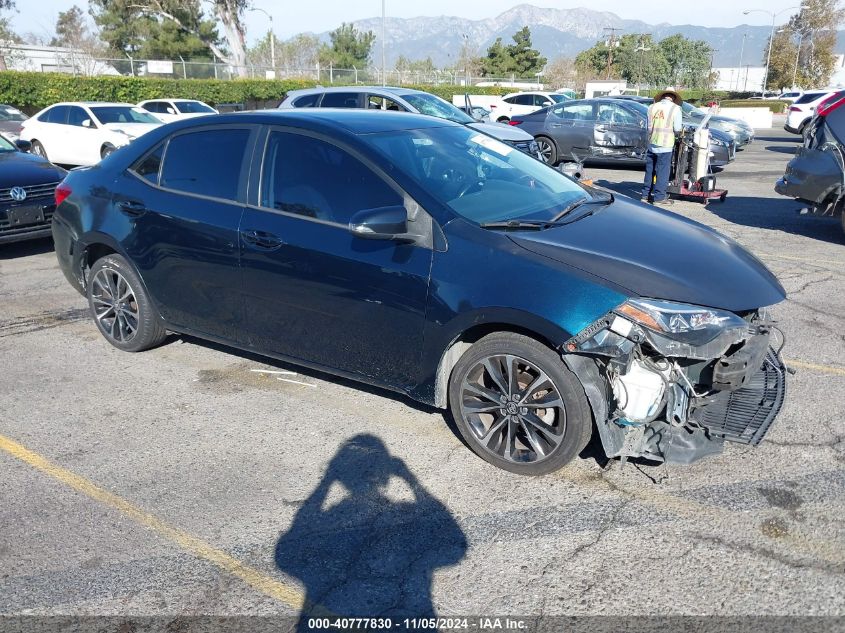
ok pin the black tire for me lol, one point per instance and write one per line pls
(38, 149)
(842, 219)
(135, 325)
(547, 149)
(559, 432)
(502, 119)
(106, 150)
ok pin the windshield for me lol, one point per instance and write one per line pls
(123, 114)
(6, 145)
(8, 113)
(477, 176)
(431, 105)
(193, 107)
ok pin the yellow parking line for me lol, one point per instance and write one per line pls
(825, 369)
(286, 594)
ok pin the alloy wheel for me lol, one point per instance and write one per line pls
(513, 409)
(546, 150)
(115, 305)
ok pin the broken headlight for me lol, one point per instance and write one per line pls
(690, 324)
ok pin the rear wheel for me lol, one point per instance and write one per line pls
(548, 151)
(120, 306)
(842, 219)
(38, 149)
(502, 119)
(518, 406)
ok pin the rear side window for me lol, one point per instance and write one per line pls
(339, 100)
(313, 178)
(810, 96)
(523, 100)
(208, 162)
(57, 114)
(148, 167)
(306, 101)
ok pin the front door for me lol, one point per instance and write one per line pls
(185, 199)
(313, 290)
(619, 132)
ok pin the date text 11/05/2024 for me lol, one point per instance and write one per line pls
(414, 624)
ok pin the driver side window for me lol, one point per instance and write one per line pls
(310, 177)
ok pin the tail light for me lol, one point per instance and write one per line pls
(492, 106)
(794, 109)
(62, 192)
(512, 122)
(830, 104)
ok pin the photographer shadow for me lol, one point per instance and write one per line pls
(367, 541)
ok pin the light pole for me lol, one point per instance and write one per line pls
(774, 15)
(642, 51)
(272, 38)
(741, 53)
(383, 57)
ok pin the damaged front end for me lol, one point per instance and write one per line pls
(671, 382)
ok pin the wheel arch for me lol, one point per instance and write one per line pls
(543, 332)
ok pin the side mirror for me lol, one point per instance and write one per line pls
(23, 145)
(383, 223)
(171, 111)
(87, 123)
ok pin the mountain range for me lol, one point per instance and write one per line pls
(554, 32)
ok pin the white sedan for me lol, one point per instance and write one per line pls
(83, 133)
(169, 110)
(518, 103)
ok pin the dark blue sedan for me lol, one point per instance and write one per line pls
(430, 259)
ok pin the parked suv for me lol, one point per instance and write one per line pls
(404, 100)
(424, 257)
(801, 112)
(517, 103)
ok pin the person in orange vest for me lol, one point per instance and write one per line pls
(664, 122)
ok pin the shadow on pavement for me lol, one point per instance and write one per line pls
(369, 538)
(781, 149)
(26, 248)
(779, 214)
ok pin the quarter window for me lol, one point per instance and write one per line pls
(207, 162)
(313, 178)
(148, 167)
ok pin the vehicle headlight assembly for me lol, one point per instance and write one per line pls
(689, 325)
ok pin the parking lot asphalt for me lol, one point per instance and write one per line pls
(196, 479)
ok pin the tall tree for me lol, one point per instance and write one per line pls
(297, 54)
(73, 33)
(7, 35)
(637, 58)
(813, 28)
(350, 47)
(128, 27)
(518, 59)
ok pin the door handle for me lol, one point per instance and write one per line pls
(132, 208)
(262, 239)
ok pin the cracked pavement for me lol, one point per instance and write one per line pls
(372, 504)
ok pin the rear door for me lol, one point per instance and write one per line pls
(313, 290)
(53, 135)
(184, 201)
(571, 127)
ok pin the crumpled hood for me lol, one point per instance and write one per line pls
(661, 255)
(133, 129)
(502, 132)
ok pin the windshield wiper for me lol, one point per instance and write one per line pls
(583, 201)
(520, 225)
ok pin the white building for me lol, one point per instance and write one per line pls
(52, 59)
(744, 79)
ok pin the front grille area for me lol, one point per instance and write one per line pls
(46, 190)
(746, 414)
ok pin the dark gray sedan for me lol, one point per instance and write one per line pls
(603, 129)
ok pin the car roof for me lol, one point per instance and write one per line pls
(92, 103)
(357, 89)
(347, 120)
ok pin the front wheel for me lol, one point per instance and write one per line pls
(120, 306)
(518, 406)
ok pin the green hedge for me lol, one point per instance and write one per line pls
(33, 91)
(777, 107)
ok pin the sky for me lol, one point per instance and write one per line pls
(296, 16)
